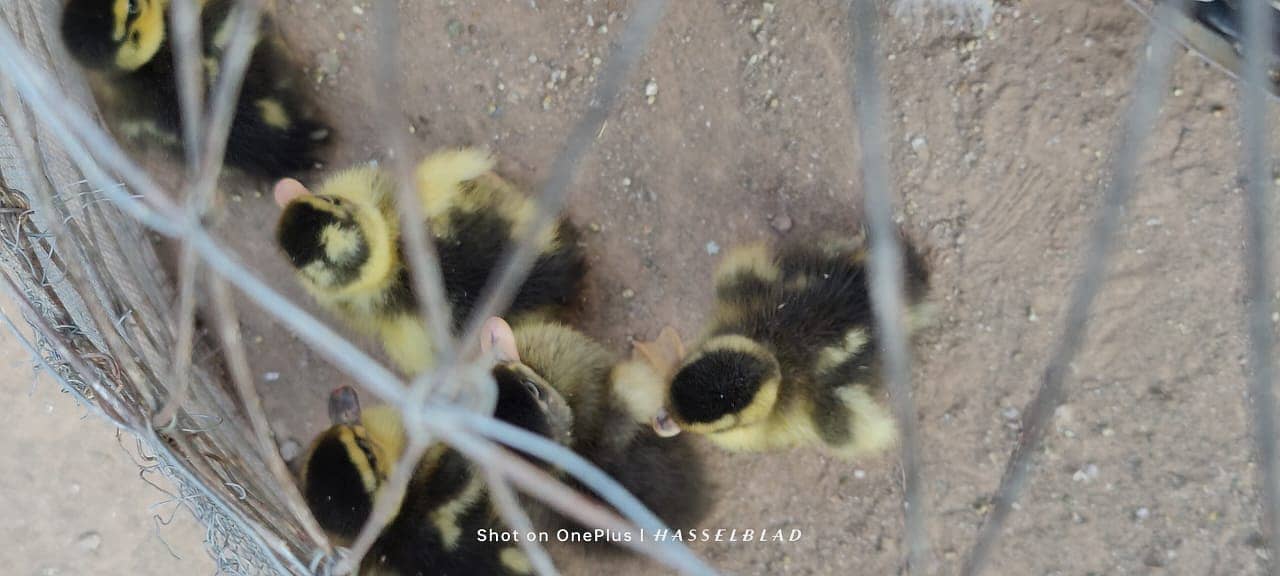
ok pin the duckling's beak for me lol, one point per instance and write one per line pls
(344, 406)
(498, 340)
(663, 425)
(287, 190)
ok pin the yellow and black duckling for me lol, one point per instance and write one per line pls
(790, 356)
(664, 474)
(275, 131)
(435, 530)
(344, 241)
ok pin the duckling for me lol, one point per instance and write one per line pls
(344, 242)
(664, 474)
(446, 505)
(274, 131)
(790, 355)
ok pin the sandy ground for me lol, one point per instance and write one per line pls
(73, 501)
(1000, 144)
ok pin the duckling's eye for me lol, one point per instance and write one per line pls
(534, 389)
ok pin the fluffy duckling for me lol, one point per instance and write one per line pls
(344, 241)
(274, 132)
(446, 504)
(790, 356)
(665, 474)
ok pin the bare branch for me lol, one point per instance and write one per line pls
(1153, 75)
(1257, 175)
(886, 268)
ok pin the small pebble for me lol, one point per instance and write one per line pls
(455, 28)
(328, 64)
(713, 248)
(271, 376)
(594, 227)
(289, 450)
(626, 182)
(781, 223)
(1010, 413)
(628, 294)
(533, 58)
(1142, 513)
(357, 10)
(859, 474)
(89, 541)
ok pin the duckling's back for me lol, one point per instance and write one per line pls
(804, 297)
(474, 249)
(275, 130)
(437, 530)
(810, 305)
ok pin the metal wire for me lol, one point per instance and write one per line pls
(887, 301)
(1143, 109)
(244, 545)
(641, 24)
(159, 211)
(211, 138)
(1256, 170)
(424, 264)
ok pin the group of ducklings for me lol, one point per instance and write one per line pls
(788, 358)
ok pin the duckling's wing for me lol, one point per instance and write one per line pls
(748, 264)
(440, 176)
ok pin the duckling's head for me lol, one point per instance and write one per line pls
(350, 462)
(326, 237)
(730, 381)
(525, 398)
(120, 35)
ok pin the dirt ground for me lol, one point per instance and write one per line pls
(72, 499)
(1000, 142)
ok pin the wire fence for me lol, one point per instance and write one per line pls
(78, 263)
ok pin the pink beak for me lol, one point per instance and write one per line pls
(663, 425)
(287, 190)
